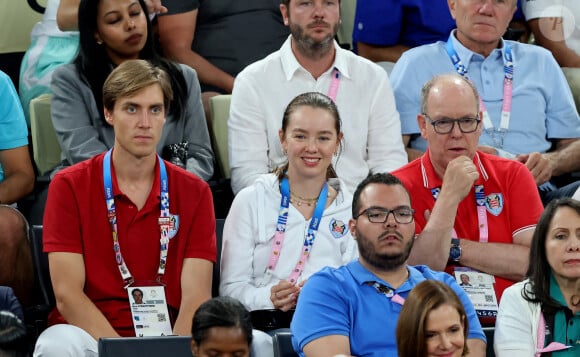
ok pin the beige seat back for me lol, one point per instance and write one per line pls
(45, 146)
(220, 110)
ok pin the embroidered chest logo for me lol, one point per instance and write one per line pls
(337, 228)
(494, 203)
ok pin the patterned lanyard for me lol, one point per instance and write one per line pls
(508, 67)
(334, 84)
(164, 219)
(481, 214)
(281, 230)
(388, 292)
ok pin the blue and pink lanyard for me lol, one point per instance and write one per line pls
(281, 230)
(164, 220)
(479, 203)
(508, 67)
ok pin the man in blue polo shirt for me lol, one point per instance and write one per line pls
(353, 310)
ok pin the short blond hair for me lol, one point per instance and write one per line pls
(131, 77)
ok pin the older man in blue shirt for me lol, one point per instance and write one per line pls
(528, 108)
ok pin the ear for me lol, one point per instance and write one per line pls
(282, 139)
(194, 348)
(98, 38)
(108, 117)
(339, 138)
(422, 122)
(352, 228)
(452, 4)
(284, 11)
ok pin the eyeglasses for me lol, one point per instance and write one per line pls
(402, 215)
(446, 125)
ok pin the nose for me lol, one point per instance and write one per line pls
(318, 9)
(574, 245)
(445, 342)
(391, 222)
(131, 24)
(311, 145)
(456, 131)
(485, 6)
(144, 120)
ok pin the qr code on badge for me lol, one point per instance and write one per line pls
(161, 317)
(488, 298)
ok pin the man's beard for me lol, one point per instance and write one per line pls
(310, 47)
(385, 262)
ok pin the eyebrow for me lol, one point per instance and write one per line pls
(299, 130)
(135, 104)
(384, 208)
(117, 11)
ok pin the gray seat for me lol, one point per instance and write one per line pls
(282, 342)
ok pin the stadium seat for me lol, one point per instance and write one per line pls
(282, 342)
(220, 110)
(45, 146)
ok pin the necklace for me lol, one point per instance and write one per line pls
(299, 200)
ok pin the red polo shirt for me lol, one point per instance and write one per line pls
(75, 221)
(513, 201)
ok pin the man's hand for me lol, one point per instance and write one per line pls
(459, 178)
(155, 7)
(539, 165)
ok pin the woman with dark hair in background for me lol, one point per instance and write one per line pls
(112, 31)
(222, 326)
(432, 322)
(541, 315)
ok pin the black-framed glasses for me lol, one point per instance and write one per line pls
(402, 215)
(446, 125)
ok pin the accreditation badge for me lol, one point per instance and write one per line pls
(149, 311)
(479, 288)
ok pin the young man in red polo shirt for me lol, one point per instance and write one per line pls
(475, 213)
(126, 220)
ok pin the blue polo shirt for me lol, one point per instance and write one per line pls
(13, 129)
(401, 22)
(542, 104)
(338, 301)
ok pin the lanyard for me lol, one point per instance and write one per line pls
(164, 219)
(388, 292)
(281, 229)
(479, 203)
(481, 211)
(334, 84)
(508, 67)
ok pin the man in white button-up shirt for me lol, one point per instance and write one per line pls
(310, 60)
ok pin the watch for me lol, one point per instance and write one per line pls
(455, 250)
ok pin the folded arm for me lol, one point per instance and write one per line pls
(196, 279)
(432, 245)
(67, 272)
(508, 260)
(18, 174)
(381, 53)
(328, 346)
(554, 40)
(176, 34)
